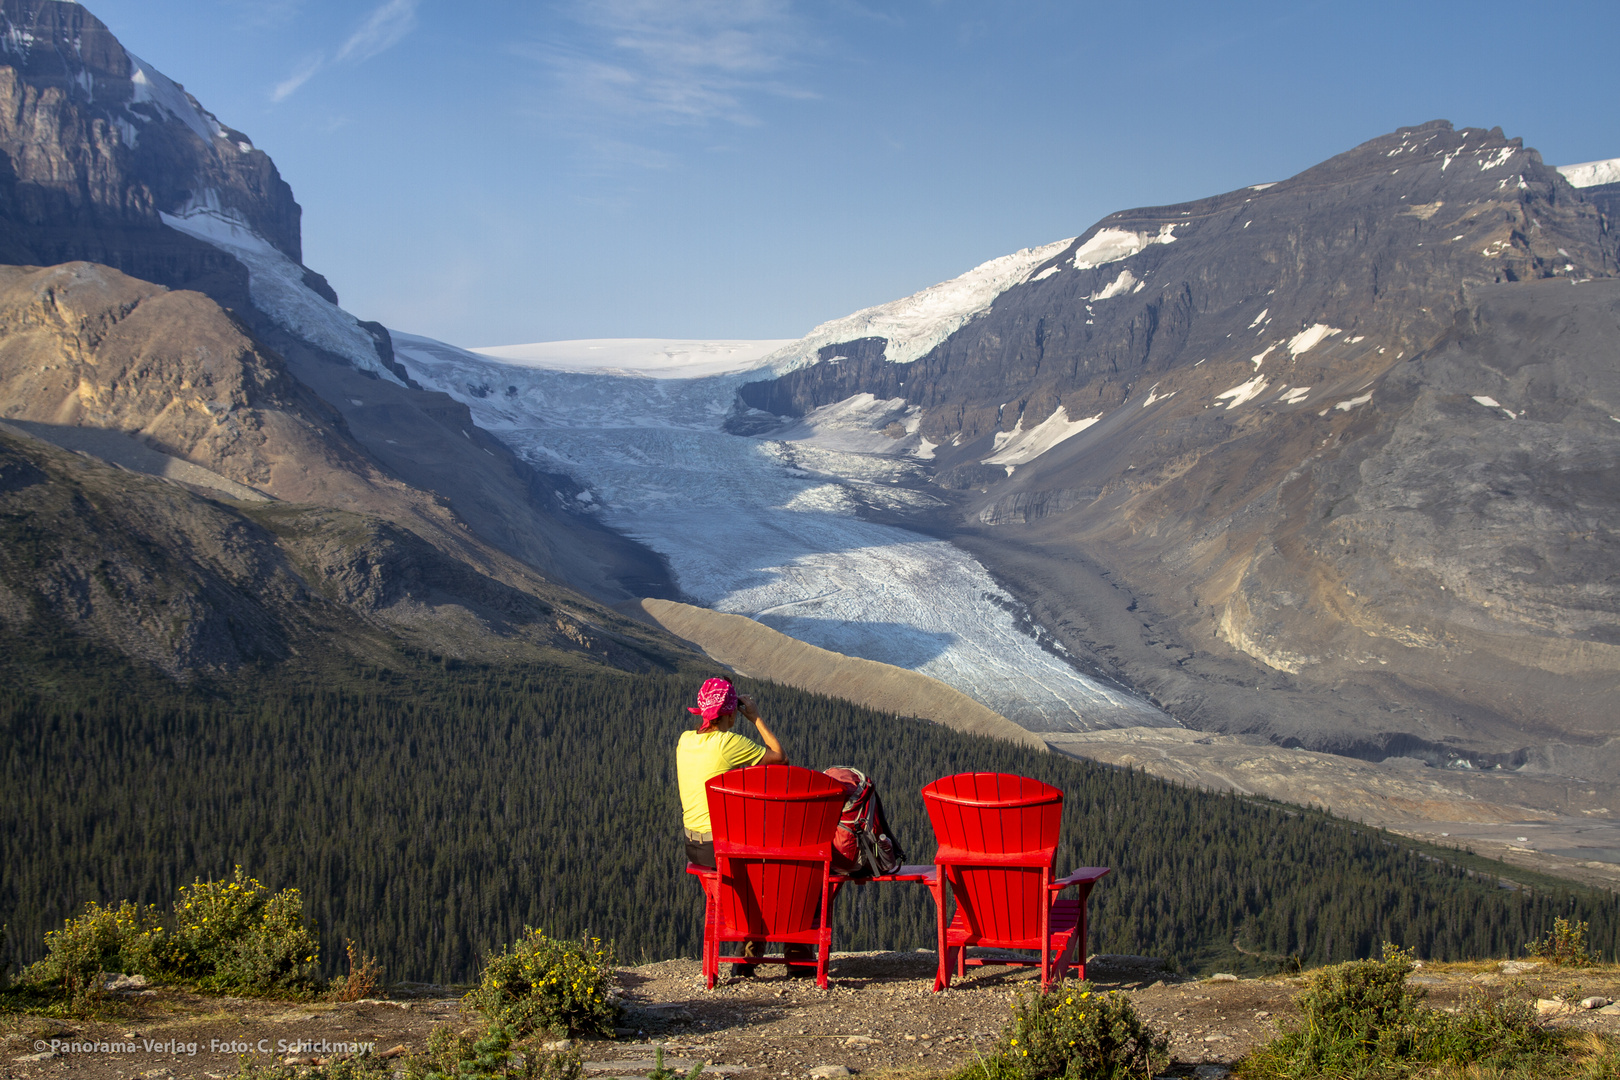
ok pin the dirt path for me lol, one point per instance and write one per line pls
(878, 1016)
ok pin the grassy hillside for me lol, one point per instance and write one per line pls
(433, 809)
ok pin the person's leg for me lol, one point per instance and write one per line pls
(700, 853)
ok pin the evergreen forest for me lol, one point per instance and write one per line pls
(432, 809)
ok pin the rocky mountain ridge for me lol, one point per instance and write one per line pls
(95, 145)
(157, 316)
(1345, 439)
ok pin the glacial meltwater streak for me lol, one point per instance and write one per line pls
(747, 531)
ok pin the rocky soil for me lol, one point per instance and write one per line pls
(878, 1016)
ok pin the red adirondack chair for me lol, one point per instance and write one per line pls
(773, 839)
(997, 838)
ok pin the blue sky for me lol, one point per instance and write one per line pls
(501, 172)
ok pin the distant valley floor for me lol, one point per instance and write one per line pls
(1525, 820)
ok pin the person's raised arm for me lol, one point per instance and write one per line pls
(774, 754)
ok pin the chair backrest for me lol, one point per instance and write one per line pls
(997, 837)
(773, 839)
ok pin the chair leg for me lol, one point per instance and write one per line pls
(942, 977)
(1066, 958)
(1078, 939)
(711, 937)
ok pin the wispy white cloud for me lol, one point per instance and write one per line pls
(673, 62)
(386, 26)
(301, 75)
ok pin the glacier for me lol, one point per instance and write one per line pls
(768, 527)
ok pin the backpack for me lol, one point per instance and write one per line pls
(863, 845)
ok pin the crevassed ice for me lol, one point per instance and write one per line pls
(746, 531)
(276, 283)
(915, 324)
(1592, 173)
(655, 358)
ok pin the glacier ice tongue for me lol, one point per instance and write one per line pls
(746, 532)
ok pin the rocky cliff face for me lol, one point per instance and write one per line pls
(95, 145)
(1353, 429)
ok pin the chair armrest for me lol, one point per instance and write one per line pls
(699, 869)
(1083, 876)
(925, 874)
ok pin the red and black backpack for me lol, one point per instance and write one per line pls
(863, 845)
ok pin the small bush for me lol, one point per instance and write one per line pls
(1072, 1031)
(361, 981)
(126, 939)
(363, 1067)
(661, 1073)
(237, 935)
(1351, 1015)
(458, 1056)
(1360, 1019)
(1565, 944)
(544, 984)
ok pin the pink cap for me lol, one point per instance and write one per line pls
(716, 698)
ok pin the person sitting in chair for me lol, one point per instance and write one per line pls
(709, 750)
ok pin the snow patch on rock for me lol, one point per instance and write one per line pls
(1119, 286)
(1112, 245)
(1018, 446)
(276, 283)
(1310, 338)
(1244, 391)
(154, 88)
(862, 425)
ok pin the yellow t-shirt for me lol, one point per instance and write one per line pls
(700, 756)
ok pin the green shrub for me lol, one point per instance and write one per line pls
(237, 935)
(1352, 1016)
(1360, 1019)
(458, 1056)
(1075, 1032)
(1564, 944)
(362, 1067)
(125, 939)
(661, 1073)
(544, 984)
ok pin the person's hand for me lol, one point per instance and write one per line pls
(745, 704)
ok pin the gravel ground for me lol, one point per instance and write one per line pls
(878, 1016)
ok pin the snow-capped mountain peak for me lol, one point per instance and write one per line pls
(913, 325)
